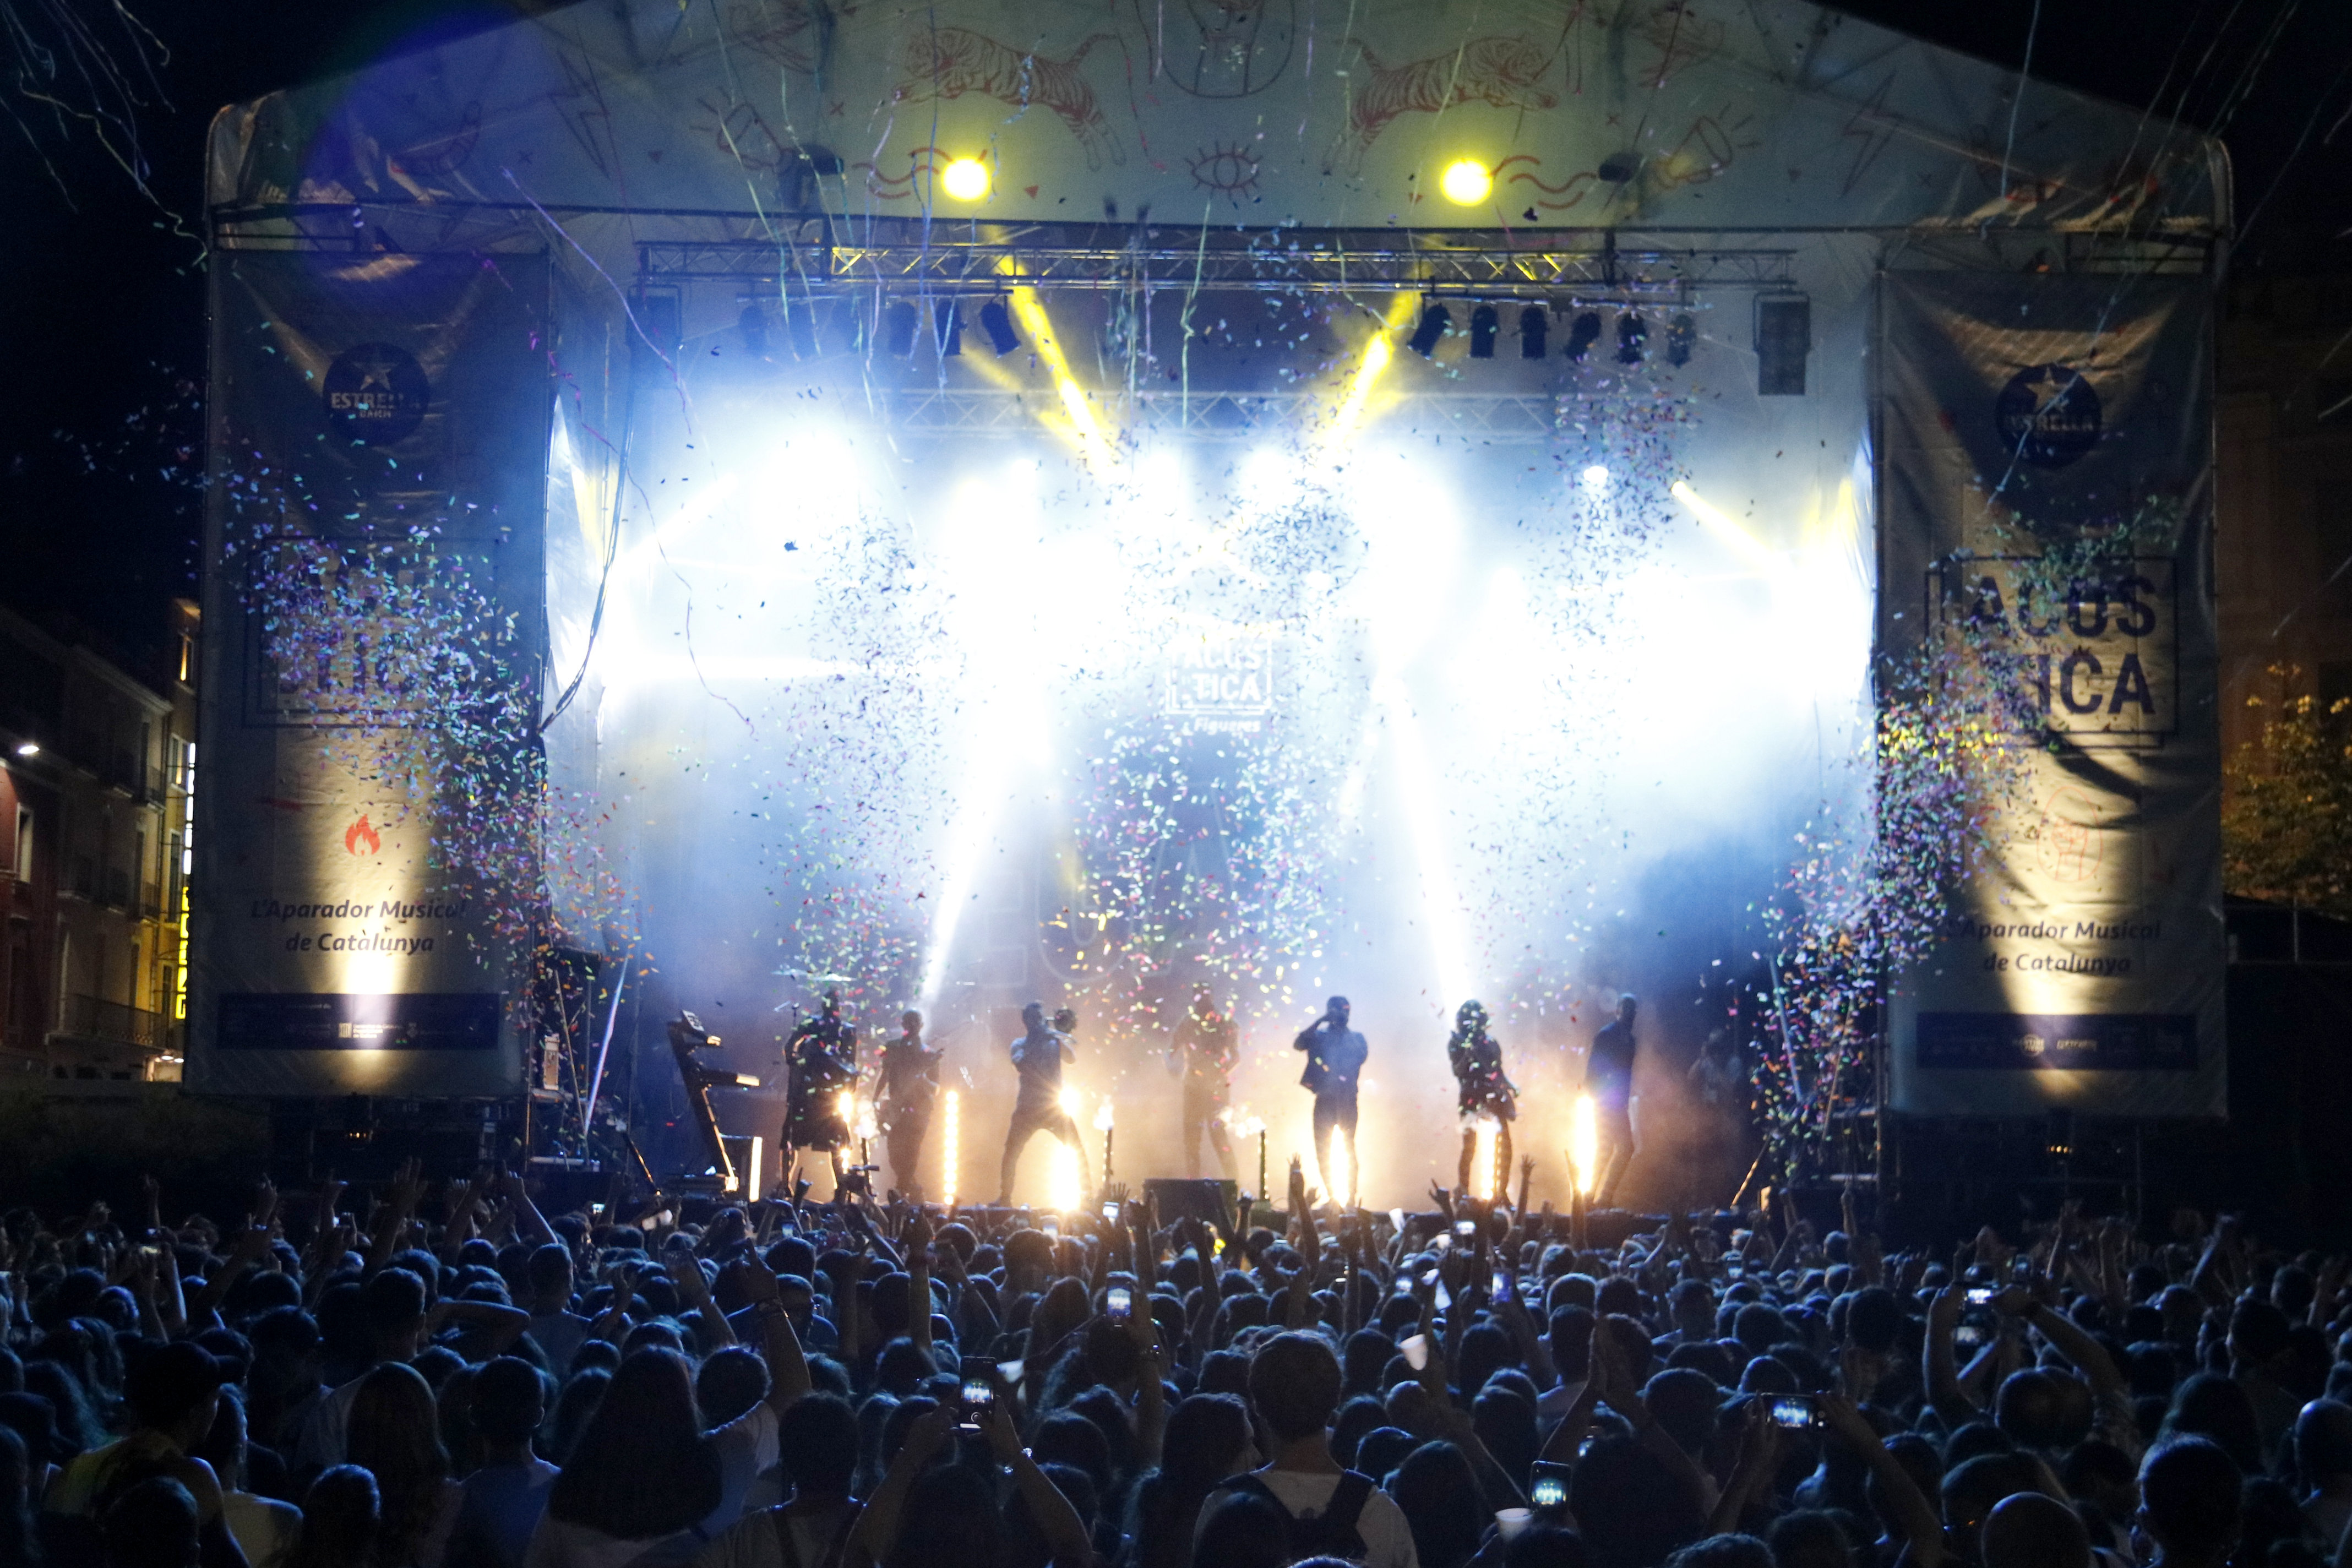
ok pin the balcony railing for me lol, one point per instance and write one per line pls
(95, 1018)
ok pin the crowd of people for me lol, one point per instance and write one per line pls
(448, 1376)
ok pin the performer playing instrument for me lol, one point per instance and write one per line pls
(821, 1063)
(1476, 1059)
(1038, 1056)
(907, 1090)
(1335, 1058)
(1609, 1080)
(1207, 1046)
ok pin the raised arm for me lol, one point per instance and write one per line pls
(788, 1373)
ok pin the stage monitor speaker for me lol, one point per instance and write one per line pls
(1217, 1201)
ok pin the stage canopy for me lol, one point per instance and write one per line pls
(1076, 501)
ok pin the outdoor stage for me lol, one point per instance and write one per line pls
(1415, 543)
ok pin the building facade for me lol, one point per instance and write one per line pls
(97, 771)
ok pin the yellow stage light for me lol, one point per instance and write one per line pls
(950, 1149)
(1584, 1143)
(1065, 1185)
(1482, 1160)
(1466, 182)
(965, 180)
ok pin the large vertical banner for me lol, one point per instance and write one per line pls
(2047, 476)
(372, 605)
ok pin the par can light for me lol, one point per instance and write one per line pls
(965, 180)
(1466, 182)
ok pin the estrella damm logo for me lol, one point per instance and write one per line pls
(376, 394)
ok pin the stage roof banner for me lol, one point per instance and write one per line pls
(1691, 114)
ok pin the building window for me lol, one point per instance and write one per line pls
(24, 842)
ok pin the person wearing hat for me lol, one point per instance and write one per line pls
(174, 1391)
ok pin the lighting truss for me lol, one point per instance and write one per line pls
(1220, 416)
(899, 257)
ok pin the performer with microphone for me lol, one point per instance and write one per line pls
(1335, 1058)
(1476, 1059)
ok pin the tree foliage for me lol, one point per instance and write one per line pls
(2286, 815)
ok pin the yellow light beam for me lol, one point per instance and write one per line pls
(951, 1149)
(1744, 544)
(1374, 359)
(1030, 312)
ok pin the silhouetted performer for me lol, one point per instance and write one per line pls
(1207, 1046)
(821, 1064)
(909, 1087)
(1335, 1058)
(1038, 1056)
(1476, 1059)
(1609, 1080)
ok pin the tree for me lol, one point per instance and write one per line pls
(2286, 815)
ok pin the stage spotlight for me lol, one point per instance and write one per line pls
(997, 322)
(1595, 478)
(1534, 327)
(1632, 333)
(899, 320)
(1466, 182)
(1435, 323)
(1682, 337)
(28, 747)
(1583, 334)
(965, 180)
(1784, 334)
(948, 326)
(1483, 324)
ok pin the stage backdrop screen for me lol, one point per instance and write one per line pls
(372, 597)
(2046, 475)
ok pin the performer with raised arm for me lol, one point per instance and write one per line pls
(909, 1085)
(1038, 1056)
(1335, 1058)
(820, 1065)
(1476, 1059)
(1609, 1080)
(1206, 1048)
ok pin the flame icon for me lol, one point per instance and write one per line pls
(360, 836)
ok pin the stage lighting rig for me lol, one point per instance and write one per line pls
(1485, 322)
(965, 180)
(947, 323)
(1632, 333)
(997, 322)
(1583, 334)
(1682, 337)
(900, 320)
(1466, 182)
(1535, 329)
(1435, 323)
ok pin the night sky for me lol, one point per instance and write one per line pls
(101, 292)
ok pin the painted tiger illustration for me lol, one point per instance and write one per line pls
(948, 62)
(1506, 73)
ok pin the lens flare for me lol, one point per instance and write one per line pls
(1584, 1143)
